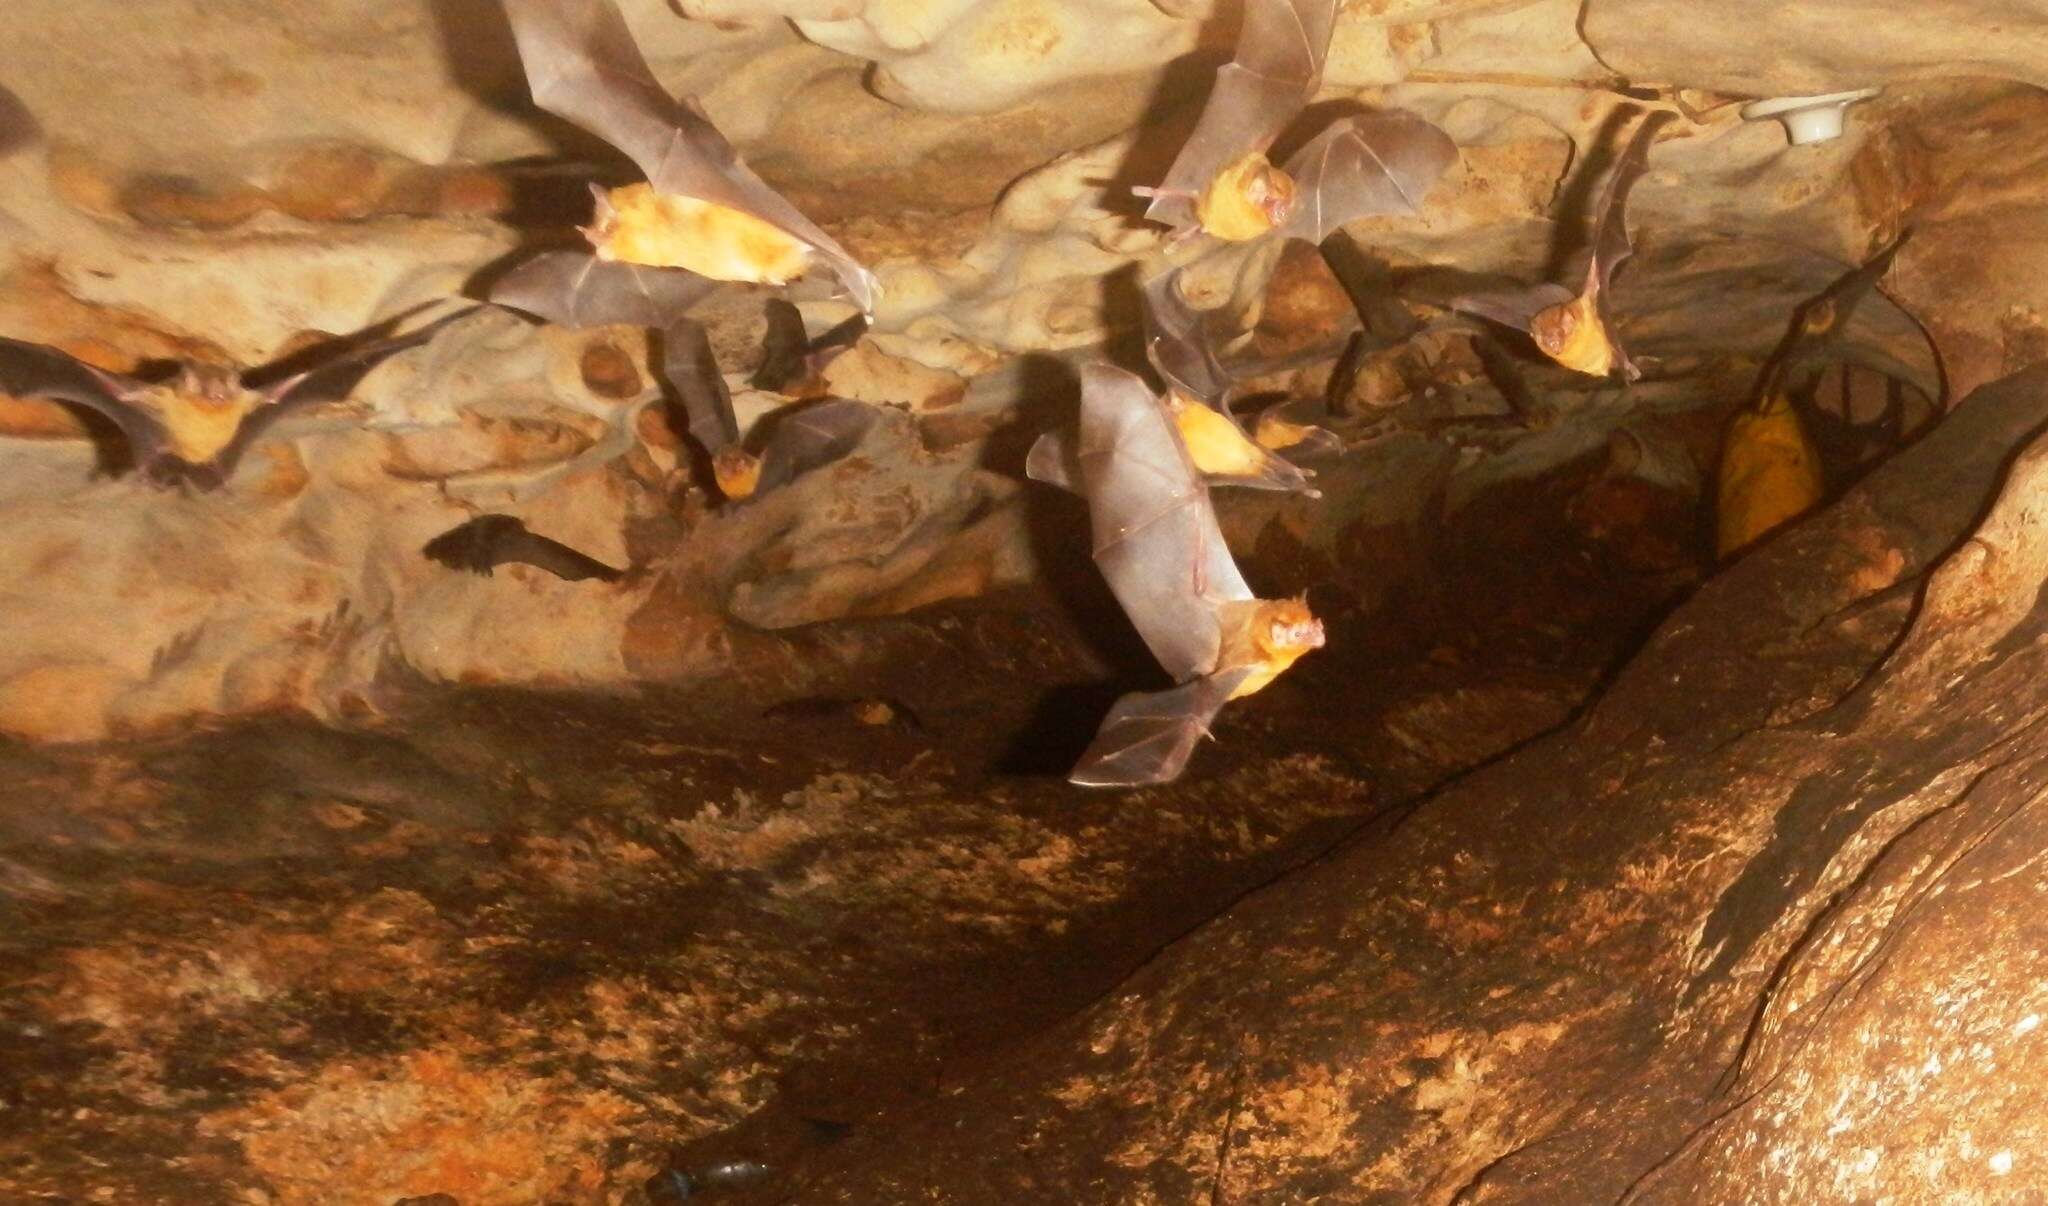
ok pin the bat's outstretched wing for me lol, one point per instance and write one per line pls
(1277, 68)
(1054, 460)
(1515, 308)
(1179, 342)
(332, 380)
(489, 541)
(810, 437)
(1374, 163)
(1148, 736)
(692, 368)
(576, 289)
(1155, 533)
(1611, 245)
(35, 370)
(583, 65)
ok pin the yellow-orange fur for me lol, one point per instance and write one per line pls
(1214, 443)
(640, 226)
(1572, 334)
(737, 471)
(1268, 635)
(1245, 200)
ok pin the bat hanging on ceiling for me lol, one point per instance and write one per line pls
(1221, 182)
(1771, 469)
(1576, 329)
(1159, 547)
(194, 428)
(792, 362)
(489, 541)
(701, 208)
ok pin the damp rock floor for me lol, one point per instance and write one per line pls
(508, 946)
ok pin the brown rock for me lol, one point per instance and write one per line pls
(608, 372)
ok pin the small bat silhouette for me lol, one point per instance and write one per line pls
(1771, 468)
(194, 428)
(1159, 547)
(489, 541)
(1575, 329)
(791, 361)
(1221, 182)
(702, 209)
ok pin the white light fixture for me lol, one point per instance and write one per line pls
(1808, 119)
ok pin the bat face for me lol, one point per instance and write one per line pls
(202, 422)
(737, 471)
(1245, 200)
(1574, 335)
(1265, 637)
(637, 225)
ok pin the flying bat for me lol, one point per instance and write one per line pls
(1771, 470)
(194, 428)
(791, 361)
(1221, 182)
(489, 541)
(701, 208)
(1575, 329)
(1158, 546)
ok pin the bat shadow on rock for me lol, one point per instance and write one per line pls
(1581, 192)
(1168, 119)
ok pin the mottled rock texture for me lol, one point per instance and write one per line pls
(333, 875)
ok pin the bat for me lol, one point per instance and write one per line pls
(1575, 329)
(489, 541)
(194, 428)
(1221, 182)
(1158, 546)
(701, 208)
(1771, 470)
(1198, 389)
(791, 361)
(800, 438)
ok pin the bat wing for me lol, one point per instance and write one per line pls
(35, 370)
(583, 65)
(784, 348)
(1370, 164)
(489, 541)
(576, 289)
(692, 369)
(1155, 533)
(1179, 344)
(330, 381)
(1515, 308)
(1611, 244)
(811, 437)
(1277, 68)
(1054, 460)
(1148, 737)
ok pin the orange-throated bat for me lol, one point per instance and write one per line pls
(1159, 548)
(194, 428)
(1198, 388)
(791, 361)
(1222, 182)
(489, 541)
(1574, 329)
(702, 208)
(800, 437)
